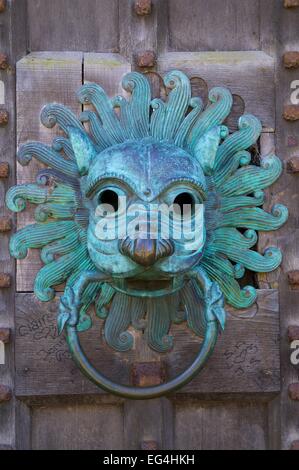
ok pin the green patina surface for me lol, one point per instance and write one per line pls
(150, 151)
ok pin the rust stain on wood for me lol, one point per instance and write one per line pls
(291, 59)
(5, 393)
(291, 112)
(5, 335)
(294, 391)
(4, 170)
(293, 165)
(147, 374)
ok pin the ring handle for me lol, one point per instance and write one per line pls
(142, 393)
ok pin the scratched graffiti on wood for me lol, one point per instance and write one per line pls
(246, 360)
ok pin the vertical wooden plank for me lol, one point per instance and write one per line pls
(12, 43)
(141, 33)
(107, 70)
(42, 77)
(287, 186)
(73, 25)
(217, 25)
(148, 421)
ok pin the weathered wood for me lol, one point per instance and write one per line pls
(73, 25)
(246, 358)
(235, 425)
(13, 44)
(229, 25)
(247, 74)
(107, 70)
(141, 33)
(78, 426)
(41, 78)
(286, 190)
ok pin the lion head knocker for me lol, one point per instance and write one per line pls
(142, 153)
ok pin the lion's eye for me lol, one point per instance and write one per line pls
(184, 203)
(109, 197)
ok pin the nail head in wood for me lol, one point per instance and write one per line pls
(143, 7)
(291, 60)
(295, 445)
(293, 333)
(5, 224)
(5, 280)
(5, 393)
(4, 335)
(294, 392)
(4, 117)
(147, 374)
(2, 6)
(3, 61)
(146, 59)
(4, 170)
(149, 445)
(293, 277)
(293, 165)
(291, 3)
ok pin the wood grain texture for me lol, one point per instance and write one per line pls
(230, 25)
(42, 78)
(249, 75)
(287, 239)
(236, 425)
(12, 26)
(246, 358)
(73, 25)
(77, 426)
(107, 70)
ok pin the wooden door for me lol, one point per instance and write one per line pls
(240, 400)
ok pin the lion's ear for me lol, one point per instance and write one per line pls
(83, 147)
(207, 146)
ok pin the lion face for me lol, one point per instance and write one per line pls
(146, 214)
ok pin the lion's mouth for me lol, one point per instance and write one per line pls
(148, 288)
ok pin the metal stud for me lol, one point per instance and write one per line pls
(146, 59)
(4, 170)
(5, 393)
(143, 7)
(5, 224)
(5, 335)
(291, 112)
(3, 61)
(293, 333)
(293, 277)
(293, 165)
(4, 117)
(5, 280)
(291, 60)
(2, 6)
(291, 3)
(294, 391)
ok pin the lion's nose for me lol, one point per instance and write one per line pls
(146, 251)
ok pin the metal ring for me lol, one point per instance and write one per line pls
(142, 393)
